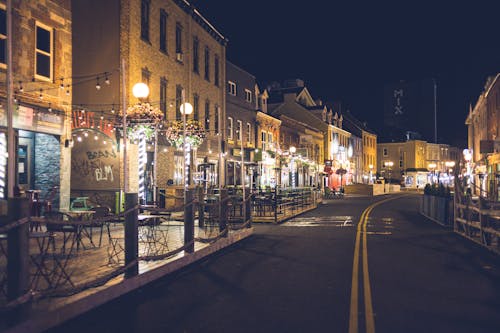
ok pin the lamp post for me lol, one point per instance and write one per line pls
(292, 150)
(185, 109)
(450, 165)
(141, 91)
(389, 165)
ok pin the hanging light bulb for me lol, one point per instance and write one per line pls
(97, 85)
(86, 134)
(67, 90)
(61, 86)
(21, 88)
(102, 117)
(40, 96)
(79, 139)
(113, 109)
(106, 79)
(96, 138)
(50, 108)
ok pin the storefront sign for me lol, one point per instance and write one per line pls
(42, 121)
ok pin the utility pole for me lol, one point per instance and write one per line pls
(435, 111)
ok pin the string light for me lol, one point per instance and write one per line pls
(21, 88)
(61, 86)
(106, 80)
(40, 96)
(97, 85)
(50, 108)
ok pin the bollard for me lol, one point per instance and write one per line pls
(201, 208)
(189, 221)
(18, 257)
(131, 235)
(223, 202)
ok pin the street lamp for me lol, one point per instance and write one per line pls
(185, 109)
(389, 165)
(292, 150)
(141, 91)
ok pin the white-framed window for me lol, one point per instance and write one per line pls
(240, 129)
(249, 133)
(231, 88)
(248, 96)
(263, 138)
(230, 128)
(44, 51)
(3, 36)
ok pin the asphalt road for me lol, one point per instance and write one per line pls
(348, 266)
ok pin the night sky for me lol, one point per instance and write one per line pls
(348, 50)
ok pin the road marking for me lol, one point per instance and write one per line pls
(362, 240)
(320, 221)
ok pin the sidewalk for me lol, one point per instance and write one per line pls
(95, 261)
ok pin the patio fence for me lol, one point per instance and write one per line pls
(43, 259)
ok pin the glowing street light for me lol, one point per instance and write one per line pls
(141, 91)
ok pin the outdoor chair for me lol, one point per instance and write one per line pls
(71, 231)
(99, 213)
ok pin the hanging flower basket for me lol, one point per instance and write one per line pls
(143, 117)
(195, 133)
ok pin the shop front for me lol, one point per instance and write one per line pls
(38, 144)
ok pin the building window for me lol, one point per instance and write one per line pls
(384, 151)
(196, 107)
(3, 37)
(216, 70)
(263, 138)
(216, 122)
(178, 170)
(248, 96)
(178, 101)
(240, 130)
(178, 41)
(230, 128)
(207, 115)
(196, 58)
(231, 88)
(44, 51)
(163, 30)
(207, 64)
(163, 96)
(249, 133)
(145, 20)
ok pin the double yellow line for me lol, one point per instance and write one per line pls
(361, 237)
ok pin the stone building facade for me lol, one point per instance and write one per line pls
(41, 64)
(171, 47)
(483, 123)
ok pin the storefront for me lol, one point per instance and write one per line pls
(38, 168)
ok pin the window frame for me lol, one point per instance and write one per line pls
(216, 70)
(145, 20)
(230, 128)
(231, 88)
(248, 95)
(239, 137)
(4, 36)
(178, 38)
(207, 115)
(163, 31)
(207, 63)
(249, 133)
(50, 55)
(196, 55)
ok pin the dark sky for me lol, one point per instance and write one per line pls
(347, 50)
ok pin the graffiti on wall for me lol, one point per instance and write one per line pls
(95, 164)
